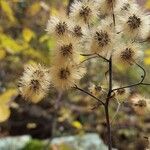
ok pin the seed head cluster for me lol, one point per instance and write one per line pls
(107, 28)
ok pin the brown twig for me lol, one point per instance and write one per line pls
(84, 91)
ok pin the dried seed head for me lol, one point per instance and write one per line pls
(125, 7)
(66, 50)
(66, 76)
(102, 38)
(34, 85)
(64, 73)
(61, 28)
(35, 82)
(85, 12)
(121, 91)
(127, 55)
(78, 31)
(98, 88)
(134, 22)
(141, 103)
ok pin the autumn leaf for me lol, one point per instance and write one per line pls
(28, 34)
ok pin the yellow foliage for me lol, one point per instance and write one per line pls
(7, 96)
(4, 112)
(10, 44)
(2, 54)
(147, 52)
(77, 124)
(147, 4)
(147, 61)
(82, 58)
(54, 11)
(28, 34)
(65, 2)
(43, 38)
(7, 9)
(34, 53)
(34, 8)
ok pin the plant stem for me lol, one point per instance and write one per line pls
(107, 106)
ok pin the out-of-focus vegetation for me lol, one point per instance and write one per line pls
(23, 40)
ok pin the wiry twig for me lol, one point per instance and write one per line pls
(117, 110)
(88, 59)
(84, 91)
(96, 55)
(136, 84)
(107, 105)
(54, 123)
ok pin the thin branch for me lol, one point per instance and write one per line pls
(82, 90)
(136, 84)
(117, 110)
(87, 54)
(107, 105)
(103, 57)
(145, 83)
(95, 56)
(88, 59)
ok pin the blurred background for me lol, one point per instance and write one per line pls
(23, 40)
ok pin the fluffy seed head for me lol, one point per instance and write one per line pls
(77, 31)
(127, 54)
(102, 38)
(140, 104)
(66, 76)
(134, 22)
(57, 27)
(61, 27)
(84, 11)
(34, 83)
(122, 93)
(67, 50)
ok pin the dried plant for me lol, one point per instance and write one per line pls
(111, 30)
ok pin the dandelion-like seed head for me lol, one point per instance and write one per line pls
(134, 22)
(77, 31)
(61, 28)
(85, 13)
(66, 50)
(121, 91)
(102, 38)
(34, 83)
(141, 103)
(57, 26)
(127, 55)
(66, 76)
(64, 73)
(125, 7)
